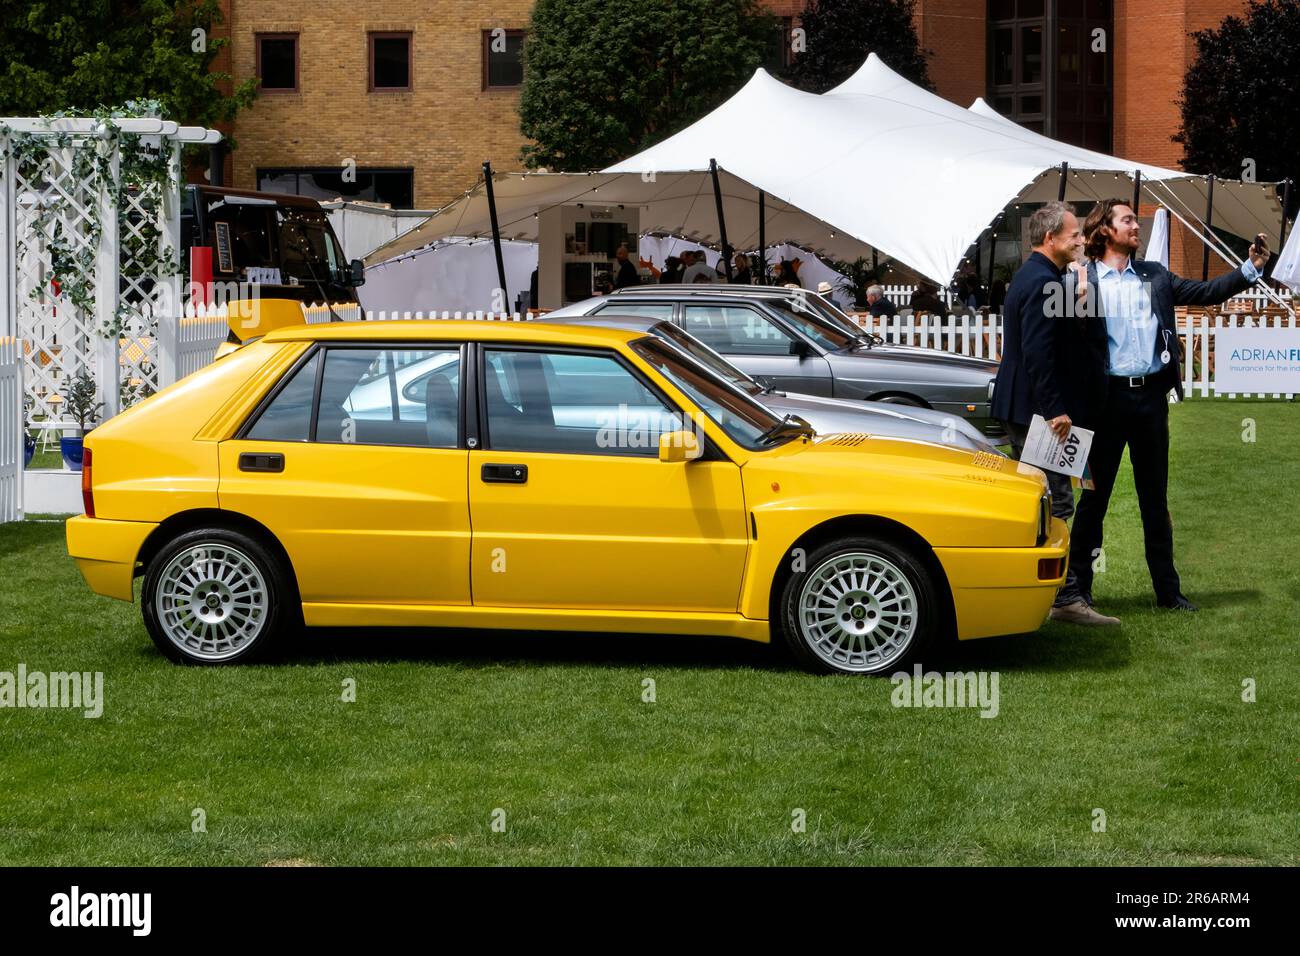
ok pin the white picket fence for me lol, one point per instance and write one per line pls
(1199, 333)
(978, 335)
(11, 429)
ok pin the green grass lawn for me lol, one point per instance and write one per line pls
(1145, 722)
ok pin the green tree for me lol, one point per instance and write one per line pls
(1239, 97)
(61, 55)
(838, 35)
(603, 81)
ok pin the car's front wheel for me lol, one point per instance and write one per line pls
(859, 606)
(215, 596)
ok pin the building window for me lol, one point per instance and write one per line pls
(395, 187)
(390, 62)
(778, 57)
(1045, 72)
(277, 62)
(503, 59)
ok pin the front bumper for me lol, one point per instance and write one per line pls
(106, 551)
(1001, 590)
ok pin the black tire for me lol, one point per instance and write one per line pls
(262, 611)
(875, 620)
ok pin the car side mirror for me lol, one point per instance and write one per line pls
(799, 347)
(677, 447)
(358, 269)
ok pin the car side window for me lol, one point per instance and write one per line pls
(649, 310)
(288, 417)
(735, 330)
(371, 396)
(571, 403)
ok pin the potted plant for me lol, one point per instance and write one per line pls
(80, 404)
(29, 440)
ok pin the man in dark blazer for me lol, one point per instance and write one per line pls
(1136, 301)
(1053, 365)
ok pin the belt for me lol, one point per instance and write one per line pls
(1134, 381)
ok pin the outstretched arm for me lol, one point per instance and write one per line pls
(1214, 291)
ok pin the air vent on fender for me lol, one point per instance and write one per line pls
(850, 438)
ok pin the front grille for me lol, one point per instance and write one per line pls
(1044, 518)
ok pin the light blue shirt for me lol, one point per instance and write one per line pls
(1132, 329)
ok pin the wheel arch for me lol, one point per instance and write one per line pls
(846, 526)
(184, 521)
(899, 398)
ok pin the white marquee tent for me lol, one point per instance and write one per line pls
(876, 163)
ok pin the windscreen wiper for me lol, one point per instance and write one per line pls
(788, 423)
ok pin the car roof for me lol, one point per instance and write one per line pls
(712, 288)
(542, 332)
(607, 319)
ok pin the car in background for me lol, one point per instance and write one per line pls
(796, 341)
(252, 502)
(826, 415)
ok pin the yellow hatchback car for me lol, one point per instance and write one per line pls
(525, 475)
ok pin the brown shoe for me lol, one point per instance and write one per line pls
(1080, 613)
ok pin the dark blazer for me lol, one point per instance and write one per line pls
(1051, 364)
(1169, 290)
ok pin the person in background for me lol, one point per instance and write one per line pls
(625, 273)
(786, 274)
(795, 265)
(697, 268)
(997, 295)
(673, 270)
(1052, 365)
(740, 273)
(925, 300)
(877, 304)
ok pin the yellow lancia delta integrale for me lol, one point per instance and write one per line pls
(525, 475)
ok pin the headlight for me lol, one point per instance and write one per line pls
(1044, 518)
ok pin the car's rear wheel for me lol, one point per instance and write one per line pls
(215, 596)
(861, 606)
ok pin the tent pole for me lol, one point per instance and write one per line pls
(1209, 228)
(496, 232)
(1286, 201)
(1060, 190)
(722, 221)
(993, 250)
(762, 237)
(1137, 191)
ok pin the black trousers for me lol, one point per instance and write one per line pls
(1062, 492)
(1139, 419)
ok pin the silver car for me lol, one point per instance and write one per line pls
(826, 415)
(796, 340)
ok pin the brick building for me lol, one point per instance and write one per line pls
(417, 94)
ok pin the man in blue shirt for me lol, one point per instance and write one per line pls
(1136, 298)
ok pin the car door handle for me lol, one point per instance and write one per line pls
(261, 461)
(505, 474)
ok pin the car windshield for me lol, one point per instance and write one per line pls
(745, 421)
(707, 357)
(308, 250)
(825, 333)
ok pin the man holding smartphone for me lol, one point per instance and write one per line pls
(1136, 299)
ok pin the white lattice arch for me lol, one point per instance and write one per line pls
(58, 180)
